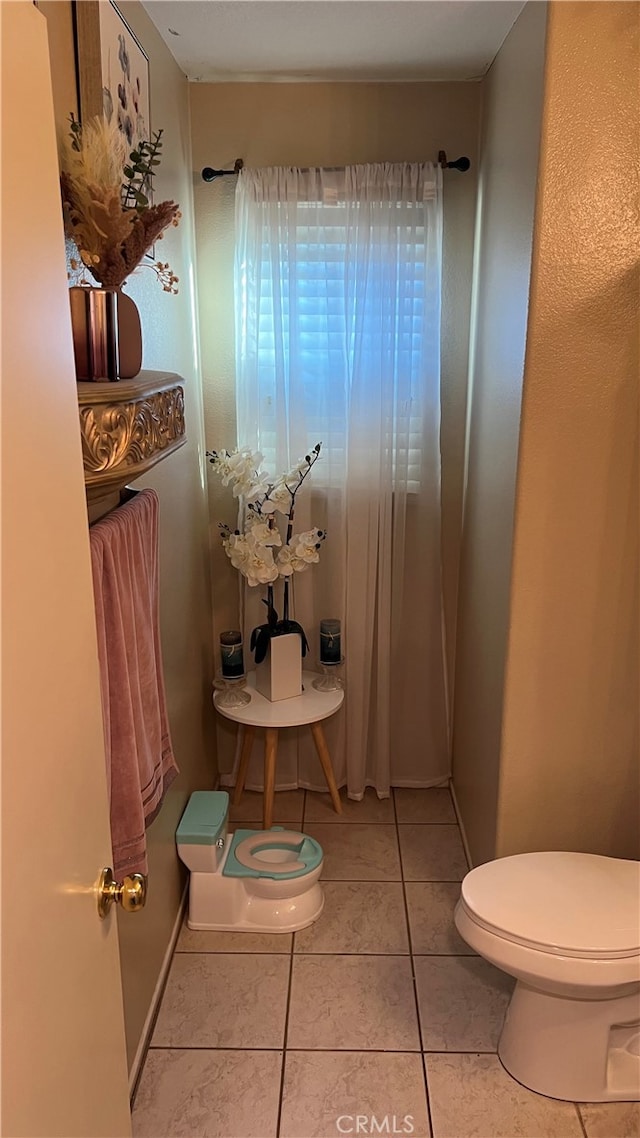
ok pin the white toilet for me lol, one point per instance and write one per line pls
(567, 926)
(251, 880)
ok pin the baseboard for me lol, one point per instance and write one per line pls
(463, 834)
(145, 1037)
(227, 782)
(442, 780)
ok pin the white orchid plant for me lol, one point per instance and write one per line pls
(259, 552)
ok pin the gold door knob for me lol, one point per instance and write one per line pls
(131, 893)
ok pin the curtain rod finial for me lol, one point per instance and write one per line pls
(461, 164)
(210, 175)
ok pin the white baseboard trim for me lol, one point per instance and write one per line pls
(463, 834)
(140, 1055)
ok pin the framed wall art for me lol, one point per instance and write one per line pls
(113, 69)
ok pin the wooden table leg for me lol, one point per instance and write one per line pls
(325, 760)
(245, 754)
(270, 753)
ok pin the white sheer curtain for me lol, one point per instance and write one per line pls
(338, 279)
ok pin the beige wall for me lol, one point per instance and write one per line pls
(506, 198)
(62, 54)
(168, 324)
(570, 775)
(330, 124)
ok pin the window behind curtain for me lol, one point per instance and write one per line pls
(304, 320)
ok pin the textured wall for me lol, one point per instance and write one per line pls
(506, 199)
(169, 335)
(330, 124)
(570, 772)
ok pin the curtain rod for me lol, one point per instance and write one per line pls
(209, 175)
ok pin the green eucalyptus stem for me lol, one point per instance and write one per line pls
(140, 172)
(75, 131)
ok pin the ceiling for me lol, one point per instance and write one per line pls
(333, 40)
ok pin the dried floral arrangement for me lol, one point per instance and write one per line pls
(105, 196)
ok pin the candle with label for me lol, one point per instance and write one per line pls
(330, 642)
(231, 654)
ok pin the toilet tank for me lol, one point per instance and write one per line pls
(202, 832)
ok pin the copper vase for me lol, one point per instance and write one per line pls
(107, 337)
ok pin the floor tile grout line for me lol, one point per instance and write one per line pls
(413, 971)
(288, 1005)
(419, 955)
(256, 823)
(232, 951)
(418, 823)
(581, 1120)
(319, 1050)
(281, 1092)
(340, 821)
(392, 881)
(284, 1046)
(286, 1021)
(329, 952)
(377, 825)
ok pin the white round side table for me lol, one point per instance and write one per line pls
(311, 707)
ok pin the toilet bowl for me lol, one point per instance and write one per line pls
(250, 880)
(567, 927)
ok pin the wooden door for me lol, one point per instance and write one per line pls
(63, 1050)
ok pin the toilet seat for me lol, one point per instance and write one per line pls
(566, 927)
(538, 900)
(294, 854)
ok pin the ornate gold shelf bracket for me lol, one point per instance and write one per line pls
(127, 427)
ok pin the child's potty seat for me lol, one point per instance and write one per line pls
(243, 860)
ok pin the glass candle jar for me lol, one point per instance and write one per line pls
(330, 642)
(231, 654)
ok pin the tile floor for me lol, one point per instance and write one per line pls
(378, 1010)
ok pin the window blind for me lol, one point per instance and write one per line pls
(309, 317)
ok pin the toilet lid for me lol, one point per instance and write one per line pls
(572, 904)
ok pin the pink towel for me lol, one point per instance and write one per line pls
(140, 762)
